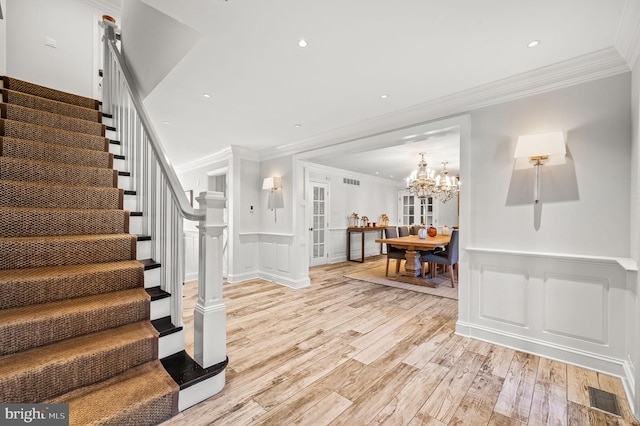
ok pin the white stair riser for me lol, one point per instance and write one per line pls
(161, 308)
(119, 164)
(199, 392)
(125, 182)
(152, 277)
(130, 203)
(135, 225)
(107, 121)
(143, 250)
(114, 149)
(171, 344)
(111, 134)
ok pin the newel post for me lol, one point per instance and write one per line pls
(210, 315)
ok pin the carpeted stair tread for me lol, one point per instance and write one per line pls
(42, 171)
(34, 132)
(52, 153)
(32, 222)
(24, 287)
(47, 195)
(51, 371)
(144, 395)
(34, 252)
(46, 92)
(48, 105)
(65, 319)
(43, 118)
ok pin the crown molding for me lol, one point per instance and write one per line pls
(226, 154)
(222, 155)
(627, 40)
(113, 7)
(596, 65)
(321, 168)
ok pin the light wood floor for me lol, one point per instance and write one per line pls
(347, 352)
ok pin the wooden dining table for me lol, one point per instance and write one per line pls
(413, 244)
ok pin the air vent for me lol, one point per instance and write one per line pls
(351, 181)
(604, 401)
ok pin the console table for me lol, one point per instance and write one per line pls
(361, 230)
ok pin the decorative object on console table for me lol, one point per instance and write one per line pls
(364, 221)
(354, 220)
(384, 220)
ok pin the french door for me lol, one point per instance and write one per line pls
(319, 224)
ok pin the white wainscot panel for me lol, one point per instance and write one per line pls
(283, 257)
(576, 306)
(191, 250)
(249, 258)
(267, 256)
(503, 293)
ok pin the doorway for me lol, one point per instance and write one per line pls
(319, 222)
(217, 181)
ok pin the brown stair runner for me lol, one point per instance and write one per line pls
(74, 315)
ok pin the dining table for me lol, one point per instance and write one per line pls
(413, 245)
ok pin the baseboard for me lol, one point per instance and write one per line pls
(191, 276)
(237, 278)
(629, 384)
(603, 364)
(287, 282)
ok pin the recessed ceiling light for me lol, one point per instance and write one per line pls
(302, 43)
(167, 122)
(298, 125)
(533, 43)
(390, 175)
(377, 173)
(206, 95)
(385, 96)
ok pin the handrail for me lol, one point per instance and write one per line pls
(163, 203)
(186, 210)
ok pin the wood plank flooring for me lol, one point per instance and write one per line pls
(347, 352)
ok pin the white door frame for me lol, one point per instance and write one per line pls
(322, 260)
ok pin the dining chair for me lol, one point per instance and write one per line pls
(403, 231)
(448, 257)
(393, 252)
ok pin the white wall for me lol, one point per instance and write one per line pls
(71, 23)
(373, 197)
(633, 299)
(557, 279)
(585, 198)
(3, 38)
(153, 43)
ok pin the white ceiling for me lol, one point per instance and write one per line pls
(262, 84)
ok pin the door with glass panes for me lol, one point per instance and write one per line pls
(319, 223)
(414, 211)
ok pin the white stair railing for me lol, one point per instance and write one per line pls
(162, 200)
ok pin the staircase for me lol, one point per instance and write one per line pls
(75, 317)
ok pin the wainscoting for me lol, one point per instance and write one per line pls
(569, 308)
(338, 247)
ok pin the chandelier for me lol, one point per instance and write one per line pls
(446, 187)
(423, 183)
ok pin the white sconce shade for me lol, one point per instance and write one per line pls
(274, 186)
(549, 148)
(537, 150)
(271, 183)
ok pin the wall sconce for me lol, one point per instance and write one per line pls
(537, 150)
(274, 186)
